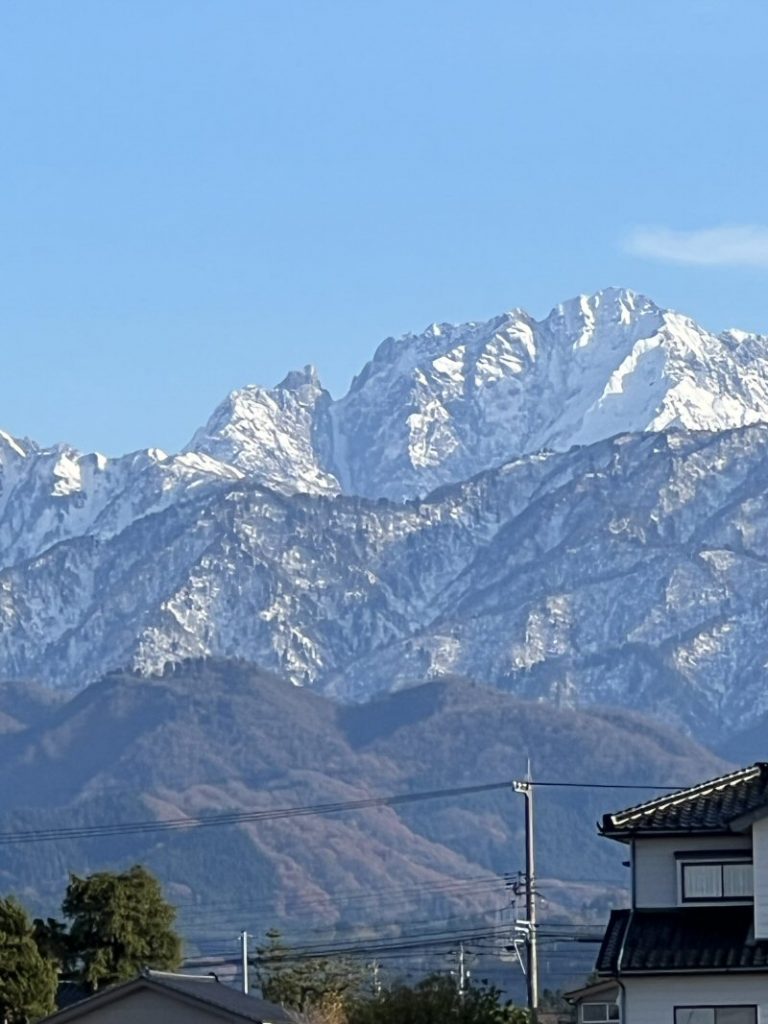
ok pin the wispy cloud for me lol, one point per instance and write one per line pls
(744, 245)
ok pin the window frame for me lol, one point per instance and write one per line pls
(607, 1004)
(718, 1006)
(719, 860)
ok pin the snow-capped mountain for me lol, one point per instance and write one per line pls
(437, 407)
(455, 400)
(628, 570)
(279, 436)
(48, 495)
(427, 410)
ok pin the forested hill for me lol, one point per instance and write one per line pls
(210, 738)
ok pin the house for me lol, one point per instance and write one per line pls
(693, 946)
(158, 997)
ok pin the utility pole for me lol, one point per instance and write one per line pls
(463, 972)
(375, 967)
(532, 974)
(244, 952)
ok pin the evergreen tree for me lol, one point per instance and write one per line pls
(27, 979)
(119, 923)
(52, 939)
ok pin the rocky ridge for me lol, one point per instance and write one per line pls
(558, 557)
(438, 407)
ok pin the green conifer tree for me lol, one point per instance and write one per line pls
(119, 923)
(27, 979)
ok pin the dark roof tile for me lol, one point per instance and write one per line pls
(712, 806)
(608, 957)
(701, 939)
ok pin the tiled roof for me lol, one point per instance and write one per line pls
(707, 939)
(709, 807)
(610, 949)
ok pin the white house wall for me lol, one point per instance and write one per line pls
(652, 1000)
(760, 858)
(655, 869)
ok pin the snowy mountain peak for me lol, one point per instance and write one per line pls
(277, 435)
(607, 317)
(617, 305)
(440, 406)
(436, 407)
(298, 379)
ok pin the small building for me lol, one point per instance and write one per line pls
(693, 946)
(596, 1003)
(158, 997)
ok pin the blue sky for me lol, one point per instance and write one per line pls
(199, 194)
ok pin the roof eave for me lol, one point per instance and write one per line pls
(742, 776)
(578, 994)
(661, 972)
(626, 835)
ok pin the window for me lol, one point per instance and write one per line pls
(596, 1013)
(702, 881)
(737, 880)
(716, 1015)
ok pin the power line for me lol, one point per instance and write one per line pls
(346, 911)
(348, 932)
(351, 899)
(243, 817)
(601, 785)
(439, 887)
(415, 941)
(239, 817)
(463, 927)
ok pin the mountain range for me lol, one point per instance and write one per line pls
(439, 407)
(509, 539)
(570, 509)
